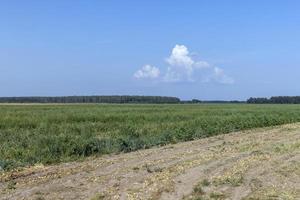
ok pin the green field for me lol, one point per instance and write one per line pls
(31, 134)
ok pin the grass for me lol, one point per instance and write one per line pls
(217, 196)
(198, 190)
(31, 134)
(205, 183)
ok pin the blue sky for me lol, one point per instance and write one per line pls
(209, 49)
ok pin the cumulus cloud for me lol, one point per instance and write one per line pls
(147, 71)
(180, 56)
(221, 77)
(182, 67)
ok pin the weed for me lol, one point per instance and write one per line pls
(205, 183)
(198, 190)
(98, 197)
(11, 185)
(217, 196)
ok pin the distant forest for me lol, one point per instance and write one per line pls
(91, 99)
(195, 101)
(275, 100)
(143, 99)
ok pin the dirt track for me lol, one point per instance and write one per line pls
(257, 164)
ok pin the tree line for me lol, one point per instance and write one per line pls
(142, 99)
(275, 100)
(197, 101)
(91, 99)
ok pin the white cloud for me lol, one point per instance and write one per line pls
(147, 71)
(172, 76)
(221, 77)
(202, 65)
(180, 57)
(182, 67)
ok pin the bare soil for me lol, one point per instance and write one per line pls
(255, 164)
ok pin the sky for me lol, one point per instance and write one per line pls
(204, 49)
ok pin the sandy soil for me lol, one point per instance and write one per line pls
(255, 164)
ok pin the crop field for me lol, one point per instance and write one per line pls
(262, 163)
(47, 134)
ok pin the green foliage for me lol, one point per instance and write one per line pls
(198, 190)
(91, 99)
(205, 183)
(31, 134)
(217, 196)
(275, 100)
